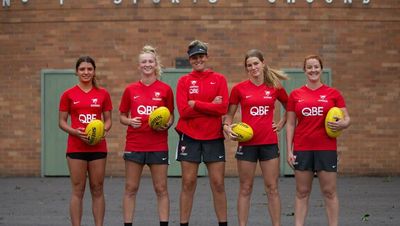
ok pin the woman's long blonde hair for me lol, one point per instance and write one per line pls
(272, 77)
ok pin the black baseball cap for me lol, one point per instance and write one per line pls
(197, 49)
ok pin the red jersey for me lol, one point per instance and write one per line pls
(311, 107)
(203, 122)
(83, 108)
(257, 105)
(139, 100)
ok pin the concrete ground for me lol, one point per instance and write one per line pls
(44, 202)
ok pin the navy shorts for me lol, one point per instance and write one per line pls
(193, 150)
(254, 153)
(315, 161)
(87, 156)
(153, 157)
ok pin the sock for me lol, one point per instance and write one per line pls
(127, 224)
(185, 224)
(222, 223)
(163, 223)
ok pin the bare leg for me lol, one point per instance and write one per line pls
(216, 175)
(270, 170)
(303, 189)
(246, 172)
(159, 176)
(97, 170)
(133, 171)
(327, 182)
(189, 182)
(77, 169)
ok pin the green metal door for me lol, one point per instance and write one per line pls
(297, 79)
(54, 140)
(171, 76)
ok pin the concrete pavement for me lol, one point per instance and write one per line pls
(44, 202)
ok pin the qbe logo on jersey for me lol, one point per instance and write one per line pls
(313, 111)
(259, 110)
(86, 118)
(145, 110)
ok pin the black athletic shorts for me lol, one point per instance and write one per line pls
(153, 157)
(87, 156)
(315, 161)
(253, 153)
(193, 150)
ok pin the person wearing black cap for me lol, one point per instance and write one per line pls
(202, 100)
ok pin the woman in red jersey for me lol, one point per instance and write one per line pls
(202, 99)
(309, 149)
(84, 103)
(145, 145)
(256, 97)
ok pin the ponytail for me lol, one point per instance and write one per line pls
(273, 77)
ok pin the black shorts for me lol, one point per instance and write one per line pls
(253, 153)
(193, 150)
(315, 161)
(152, 157)
(87, 156)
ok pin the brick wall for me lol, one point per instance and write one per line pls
(359, 42)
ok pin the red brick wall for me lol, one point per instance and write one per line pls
(359, 42)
